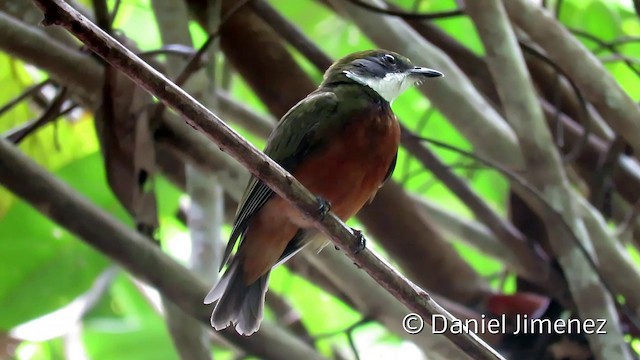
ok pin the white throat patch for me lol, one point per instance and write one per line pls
(389, 87)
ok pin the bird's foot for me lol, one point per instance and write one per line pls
(324, 207)
(362, 241)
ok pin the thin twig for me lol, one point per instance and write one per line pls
(629, 220)
(195, 60)
(292, 34)
(420, 126)
(632, 61)
(619, 110)
(50, 114)
(171, 49)
(288, 317)
(349, 328)
(605, 45)
(584, 112)
(25, 94)
(28, 127)
(558, 8)
(204, 212)
(408, 15)
(352, 345)
(604, 169)
(620, 41)
(261, 166)
(114, 12)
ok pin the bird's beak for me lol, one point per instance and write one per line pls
(425, 72)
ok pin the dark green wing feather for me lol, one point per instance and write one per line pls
(297, 134)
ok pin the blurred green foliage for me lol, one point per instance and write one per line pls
(45, 268)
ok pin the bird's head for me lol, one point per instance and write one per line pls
(387, 73)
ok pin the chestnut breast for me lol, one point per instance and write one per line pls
(350, 170)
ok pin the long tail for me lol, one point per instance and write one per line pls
(238, 303)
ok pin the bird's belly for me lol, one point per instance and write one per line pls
(353, 166)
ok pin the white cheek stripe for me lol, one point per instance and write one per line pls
(389, 87)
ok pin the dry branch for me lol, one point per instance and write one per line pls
(58, 12)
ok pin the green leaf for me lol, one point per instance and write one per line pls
(601, 20)
(44, 267)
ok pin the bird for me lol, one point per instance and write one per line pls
(341, 142)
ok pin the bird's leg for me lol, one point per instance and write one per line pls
(362, 241)
(325, 206)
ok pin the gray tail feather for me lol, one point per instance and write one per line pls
(240, 304)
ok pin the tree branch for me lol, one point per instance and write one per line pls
(544, 168)
(190, 338)
(532, 263)
(412, 240)
(408, 15)
(176, 137)
(471, 232)
(58, 12)
(292, 34)
(600, 88)
(18, 39)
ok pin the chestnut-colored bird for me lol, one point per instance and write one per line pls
(341, 143)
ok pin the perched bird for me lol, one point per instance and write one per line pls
(341, 143)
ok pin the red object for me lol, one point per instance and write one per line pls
(530, 304)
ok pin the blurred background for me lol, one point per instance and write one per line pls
(514, 216)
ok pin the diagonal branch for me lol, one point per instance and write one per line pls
(58, 12)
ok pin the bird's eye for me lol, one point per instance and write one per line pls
(390, 59)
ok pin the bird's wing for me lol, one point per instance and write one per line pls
(297, 135)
